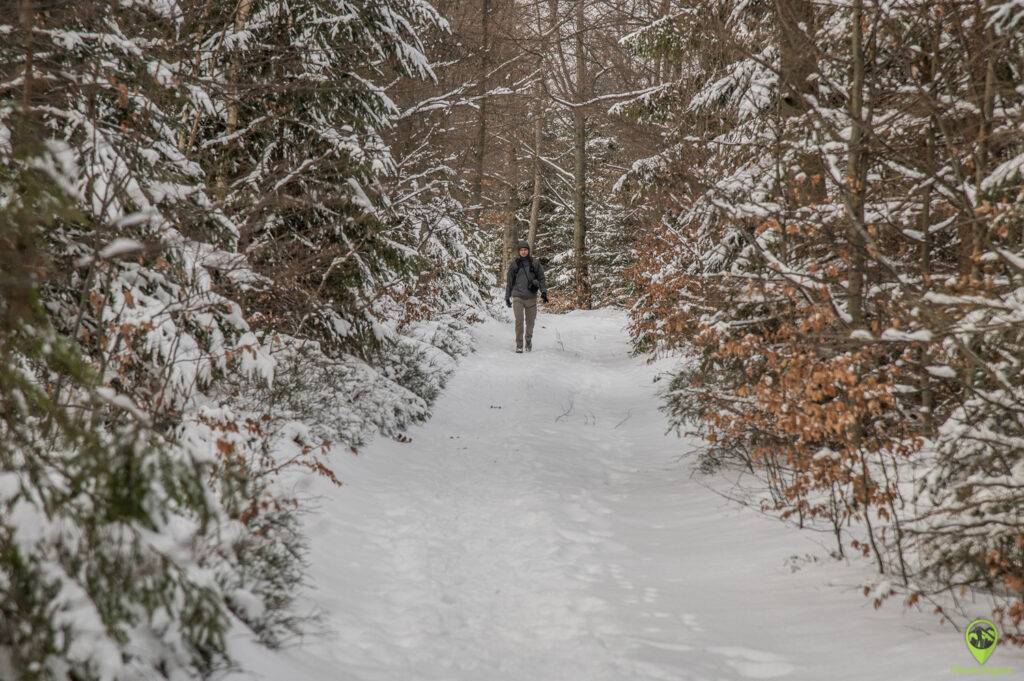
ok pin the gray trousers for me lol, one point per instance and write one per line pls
(524, 307)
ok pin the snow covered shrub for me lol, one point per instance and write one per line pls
(127, 540)
(337, 399)
(106, 522)
(848, 311)
(110, 525)
(191, 217)
(969, 524)
(439, 305)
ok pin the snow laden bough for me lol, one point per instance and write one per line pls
(148, 403)
(847, 300)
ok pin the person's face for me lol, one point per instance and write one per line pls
(523, 252)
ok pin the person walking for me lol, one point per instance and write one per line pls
(524, 279)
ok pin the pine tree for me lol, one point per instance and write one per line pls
(213, 271)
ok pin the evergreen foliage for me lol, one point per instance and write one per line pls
(202, 254)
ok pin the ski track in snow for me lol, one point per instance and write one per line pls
(543, 527)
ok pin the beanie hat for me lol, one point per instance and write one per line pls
(523, 244)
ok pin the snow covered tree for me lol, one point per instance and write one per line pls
(296, 138)
(120, 546)
(831, 226)
(212, 271)
(611, 225)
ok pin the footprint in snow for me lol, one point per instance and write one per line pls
(754, 664)
(690, 622)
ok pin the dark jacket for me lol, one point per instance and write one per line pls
(521, 272)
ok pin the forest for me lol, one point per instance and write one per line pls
(241, 240)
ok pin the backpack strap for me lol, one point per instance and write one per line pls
(515, 273)
(533, 272)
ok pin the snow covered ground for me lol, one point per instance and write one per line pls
(542, 527)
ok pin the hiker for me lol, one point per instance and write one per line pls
(525, 277)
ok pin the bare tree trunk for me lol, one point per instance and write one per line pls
(241, 16)
(582, 276)
(982, 147)
(927, 395)
(867, 513)
(855, 208)
(538, 139)
(855, 183)
(925, 260)
(797, 62)
(234, 96)
(27, 13)
(660, 65)
(797, 57)
(539, 118)
(579, 235)
(509, 236)
(481, 118)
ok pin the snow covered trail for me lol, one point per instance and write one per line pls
(542, 527)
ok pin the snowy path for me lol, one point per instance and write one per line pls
(541, 527)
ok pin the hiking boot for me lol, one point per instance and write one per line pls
(519, 348)
(529, 346)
